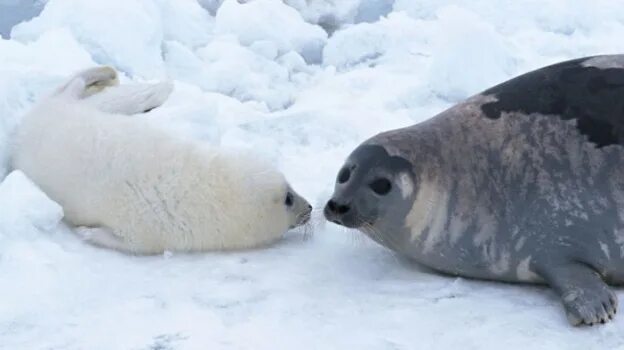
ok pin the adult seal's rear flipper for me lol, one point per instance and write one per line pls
(585, 296)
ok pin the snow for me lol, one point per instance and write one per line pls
(15, 11)
(302, 83)
(466, 31)
(25, 208)
(212, 67)
(98, 26)
(185, 22)
(274, 21)
(332, 15)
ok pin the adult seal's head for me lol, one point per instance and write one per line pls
(373, 189)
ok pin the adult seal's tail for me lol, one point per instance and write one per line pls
(523, 182)
(130, 186)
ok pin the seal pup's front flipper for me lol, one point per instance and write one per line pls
(585, 296)
(105, 238)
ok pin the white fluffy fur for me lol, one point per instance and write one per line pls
(134, 187)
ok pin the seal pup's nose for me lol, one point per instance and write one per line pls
(307, 215)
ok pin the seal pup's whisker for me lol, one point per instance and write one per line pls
(306, 230)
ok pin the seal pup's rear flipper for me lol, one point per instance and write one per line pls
(99, 86)
(131, 99)
(88, 82)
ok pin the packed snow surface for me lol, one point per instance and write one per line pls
(302, 83)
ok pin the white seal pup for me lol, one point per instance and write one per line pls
(133, 187)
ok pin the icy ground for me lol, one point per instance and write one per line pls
(267, 75)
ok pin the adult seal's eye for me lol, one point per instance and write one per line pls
(381, 186)
(344, 175)
(289, 199)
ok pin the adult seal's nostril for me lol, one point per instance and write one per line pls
(331, 206)
(338, 208)
(342, 209)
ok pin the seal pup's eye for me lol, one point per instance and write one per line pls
(381, 186)
(289, 199)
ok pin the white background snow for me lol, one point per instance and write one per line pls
(303, 82)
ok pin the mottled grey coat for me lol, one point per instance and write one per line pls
(523, 183)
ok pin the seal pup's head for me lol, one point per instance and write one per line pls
(373, 189)
(250, 200)
(298, 209)
(262, 192)
(278, 204)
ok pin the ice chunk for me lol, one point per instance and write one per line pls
(125, 33)
(186, 22)
(24, 208)
(234, 70)
(469, 55)
(13, 12)
(211, 5)
(271, 20)
(372, 10)
(367, 42)
(329, 14)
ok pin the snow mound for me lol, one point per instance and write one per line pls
(13, 12)
(461, 65)
(99, 25)
(271, 20)
(25, 209)
(227, 67)
(371, 42)
(186, 22)
(333, 14)
(56, 51)
(210, 5)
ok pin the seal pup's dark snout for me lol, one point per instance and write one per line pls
(303, 217)
(307, 214)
